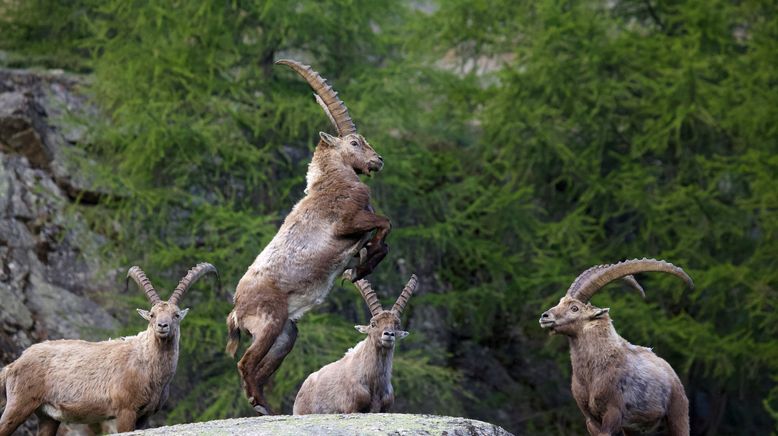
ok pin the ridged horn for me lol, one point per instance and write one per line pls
(630, 279)
(595, 278)
(144, 283)
(192, 276)
(370, 297)
(335, 109)
(585, 275)
(402, 300)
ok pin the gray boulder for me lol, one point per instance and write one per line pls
(336, 425)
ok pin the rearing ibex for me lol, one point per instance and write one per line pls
(331, 224)
(618, 386)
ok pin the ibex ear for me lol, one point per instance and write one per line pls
(400, 334)
(144, 314)
(361, 328)
(182, 313)
(328, 139)
(600, 312)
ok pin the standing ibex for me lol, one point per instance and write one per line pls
(320, 236)
(361, 381)
(87, 382)
(618, 386)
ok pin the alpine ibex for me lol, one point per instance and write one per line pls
(319, 238)
(76, 381)
(618, 386)
(361, 381)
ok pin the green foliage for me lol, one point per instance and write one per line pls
(524, 142)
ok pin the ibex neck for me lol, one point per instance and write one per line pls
(327, 168)
(375, 364)
(161, 354)
(595, 348)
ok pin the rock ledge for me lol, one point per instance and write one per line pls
(341, 425)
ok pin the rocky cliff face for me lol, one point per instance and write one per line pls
(51, 283)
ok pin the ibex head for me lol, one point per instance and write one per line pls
(384, 326)
(574, 310)
(350, 146)
(165, 316)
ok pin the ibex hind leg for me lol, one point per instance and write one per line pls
(273, 359)
(265, 327)
(47, 426)
(15, 413)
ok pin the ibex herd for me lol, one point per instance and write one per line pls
(332, 232)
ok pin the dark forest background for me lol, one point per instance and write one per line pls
(524, 142)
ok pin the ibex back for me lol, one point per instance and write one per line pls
(319, 239)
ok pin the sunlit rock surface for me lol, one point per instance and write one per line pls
(339, 425)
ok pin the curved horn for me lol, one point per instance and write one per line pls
(190, 278)
(402, 300)
(630, 279)
(144, 283)
(593, 279)
(335, 109)
(370, 297)
(585, 275)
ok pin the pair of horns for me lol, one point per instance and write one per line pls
(372, 299)
(326, 97)
(189, 279)
(596, 277)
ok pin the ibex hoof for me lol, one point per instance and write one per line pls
(362, 255)
(261, 410)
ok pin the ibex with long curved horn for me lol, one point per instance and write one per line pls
(318, 240)
(618, 386)
(361, 381)
(126, 379)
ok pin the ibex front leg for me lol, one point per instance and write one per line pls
(365, 221)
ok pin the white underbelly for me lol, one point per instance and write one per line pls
(59, 415)
(301, 302)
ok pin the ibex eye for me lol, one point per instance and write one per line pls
(372, 324)
(355, 143)
(574, 308)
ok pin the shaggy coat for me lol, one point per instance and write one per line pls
(618, 386)
(361, 381)
(318, 240)
(76, 381)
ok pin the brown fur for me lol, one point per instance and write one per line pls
(87, 382)
(2, 387)
(296, 270)
(361, 381)
(618, 386)
(125, 379)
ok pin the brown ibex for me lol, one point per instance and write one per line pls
(618, 386)
(361, 381)
(318, 240)
(76, 381)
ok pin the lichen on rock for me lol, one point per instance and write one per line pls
(338, 425)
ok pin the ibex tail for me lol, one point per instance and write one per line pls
(233, 334)
(3, 375)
